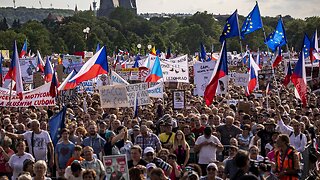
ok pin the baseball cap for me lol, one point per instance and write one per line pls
(136, 127)
(148, 150)
(151, 165)
(213, 165)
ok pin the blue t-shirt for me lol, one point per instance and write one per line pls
(64, 152)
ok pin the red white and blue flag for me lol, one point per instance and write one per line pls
(14, 72)
(253, 76)
(24, 49)
(314, 54)
(48, 71)
(40, 63)
(220, 71)
(278, 58)
(287, 78)
(54, 85)
(96, 65)
(156, 71)
(299, 80)
(67, 84)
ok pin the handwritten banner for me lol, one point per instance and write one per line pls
(142, 94)
(113, 96)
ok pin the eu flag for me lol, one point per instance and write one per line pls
(203, 54)
(306, 46)
(252, 23)
(231, 29)
(56, 124)
(277, 37)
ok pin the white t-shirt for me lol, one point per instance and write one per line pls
(16, 163)
(68, 174)
(40, 144)
(207, 153)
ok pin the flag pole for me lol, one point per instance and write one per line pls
(239, 35)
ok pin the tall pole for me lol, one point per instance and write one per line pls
(239, 34)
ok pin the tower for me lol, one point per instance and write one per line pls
(107, 6)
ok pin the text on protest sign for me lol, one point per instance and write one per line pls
(202, 75)
(113, 96)
(141, 89)
(36, 97)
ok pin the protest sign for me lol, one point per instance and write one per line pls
(178, 99)
(36, 97)
(37, 79)
(116, 167)
(244, 106)
(156, 91)
(202, 74)
(113, 96)
(241, 79)
(86, 86)
(116, 79)
(67, 96)
(5, 54)
(28, 67)
(174, 70)
(141, 89)
(71, 62)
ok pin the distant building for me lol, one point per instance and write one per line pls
(107, 6)
(55, 18)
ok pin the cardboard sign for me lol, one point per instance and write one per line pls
(178, 99)
(202, 75)
(113, 96)
(116, 167)
(241, 79)
(156, 91)
(245, 106)
(140, 91)
(37, 79)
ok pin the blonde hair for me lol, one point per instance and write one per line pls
(182, 142)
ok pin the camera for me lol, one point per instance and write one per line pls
(260, 166)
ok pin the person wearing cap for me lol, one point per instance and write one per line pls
(147, 139)
(212, 169)
(150, 167)
(135, 131)
(74, 171)
(265, 135)
(207, 146)
(167, 138)
(150, 157)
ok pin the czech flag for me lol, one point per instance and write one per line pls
(48, 71)
(67, 84)
(23, 50)
(299, 80)
(156, 72)
(1, 73)
(278, 59)
(96, 65)
(253, 76)
(220, 71)
(258, 60)
(314, 54)
(40, 63)
(287, 79)
(168, 55)
(54, 85)
(14, 72)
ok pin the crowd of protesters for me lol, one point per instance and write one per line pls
(275, 138)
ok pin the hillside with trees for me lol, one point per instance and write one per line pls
(124, 30)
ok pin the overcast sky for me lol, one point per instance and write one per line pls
(294, 8)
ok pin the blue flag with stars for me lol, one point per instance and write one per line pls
(306, 46)
(56, 124)
(231, 29)
(278, 37)
(252, 23)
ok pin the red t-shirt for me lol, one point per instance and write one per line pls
(173, 173)
(3, 162)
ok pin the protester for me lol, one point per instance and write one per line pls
(92, 163)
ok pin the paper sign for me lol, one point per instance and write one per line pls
(202, 74)
(116, 167)
(113, 96)
(141, 89)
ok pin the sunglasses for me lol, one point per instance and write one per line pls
(211, 169)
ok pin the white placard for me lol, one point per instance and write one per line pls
(141, 89)
(202, 74)
(113, 96)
